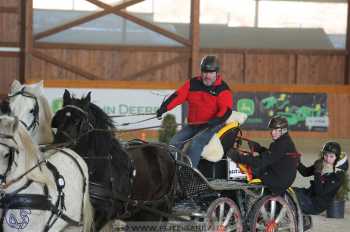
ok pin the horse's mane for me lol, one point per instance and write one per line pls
(103, 121)
(104, 141)
(44, 104)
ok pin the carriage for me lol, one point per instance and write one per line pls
(214, 197)
(220, 196)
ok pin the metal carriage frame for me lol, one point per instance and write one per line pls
(232, 205)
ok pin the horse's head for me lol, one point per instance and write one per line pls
(24, 104)
(8, 145)
(18, 152)
(28, 103)
(74, 120)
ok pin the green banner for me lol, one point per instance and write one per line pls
(304, 111)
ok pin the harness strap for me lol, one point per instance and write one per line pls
(60, 197)
(56, 210)
(78, 165)
(3, 200)
(34, 201)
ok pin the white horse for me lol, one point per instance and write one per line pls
(35, 194)
(30, 105)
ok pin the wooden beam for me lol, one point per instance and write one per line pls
(329, 89)
(316, 52)
(143, 23)
(8, 54)
(296, 57)
(109, 47)
(64, 65)
(177, 59)
(244, 67)
(84, 19)
(347, 48)
(25, 39)
(9, 44)
(107, 84)
(195, 37)
(269, 51)
(9, 10)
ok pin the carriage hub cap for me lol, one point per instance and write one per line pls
(271, 226)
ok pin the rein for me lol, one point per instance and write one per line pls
(129, 115)
(130, 123)
(6, 185)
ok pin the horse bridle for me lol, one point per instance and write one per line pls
(11, 155)
(35, 112)
(85, 120)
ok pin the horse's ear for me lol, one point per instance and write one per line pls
(39, 86)
(15, 124)
(87, 99)
(66, 97)
(15, 87)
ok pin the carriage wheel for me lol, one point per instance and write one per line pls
(223, 215)
(271, 214)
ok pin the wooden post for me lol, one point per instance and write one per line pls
(347, 48)
(195, 38)
(22, 40)
(26, 39)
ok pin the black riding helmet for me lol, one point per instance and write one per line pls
(277, 122)
(332, 147)
(210, 64)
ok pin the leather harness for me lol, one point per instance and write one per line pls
(16, 200)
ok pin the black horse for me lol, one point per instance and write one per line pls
(118, 175)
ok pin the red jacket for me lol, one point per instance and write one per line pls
(205, 103)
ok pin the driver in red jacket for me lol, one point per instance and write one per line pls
(209, 105)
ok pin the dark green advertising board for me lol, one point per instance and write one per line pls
(304, 111)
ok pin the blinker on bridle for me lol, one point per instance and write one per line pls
(11, 154)
(35, 112)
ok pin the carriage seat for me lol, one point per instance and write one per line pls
(224, 138)
(214, 164)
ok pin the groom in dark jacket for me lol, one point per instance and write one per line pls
(277, 165)
(329, 173)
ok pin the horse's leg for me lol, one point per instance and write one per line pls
(108, 227)
(101, 219)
